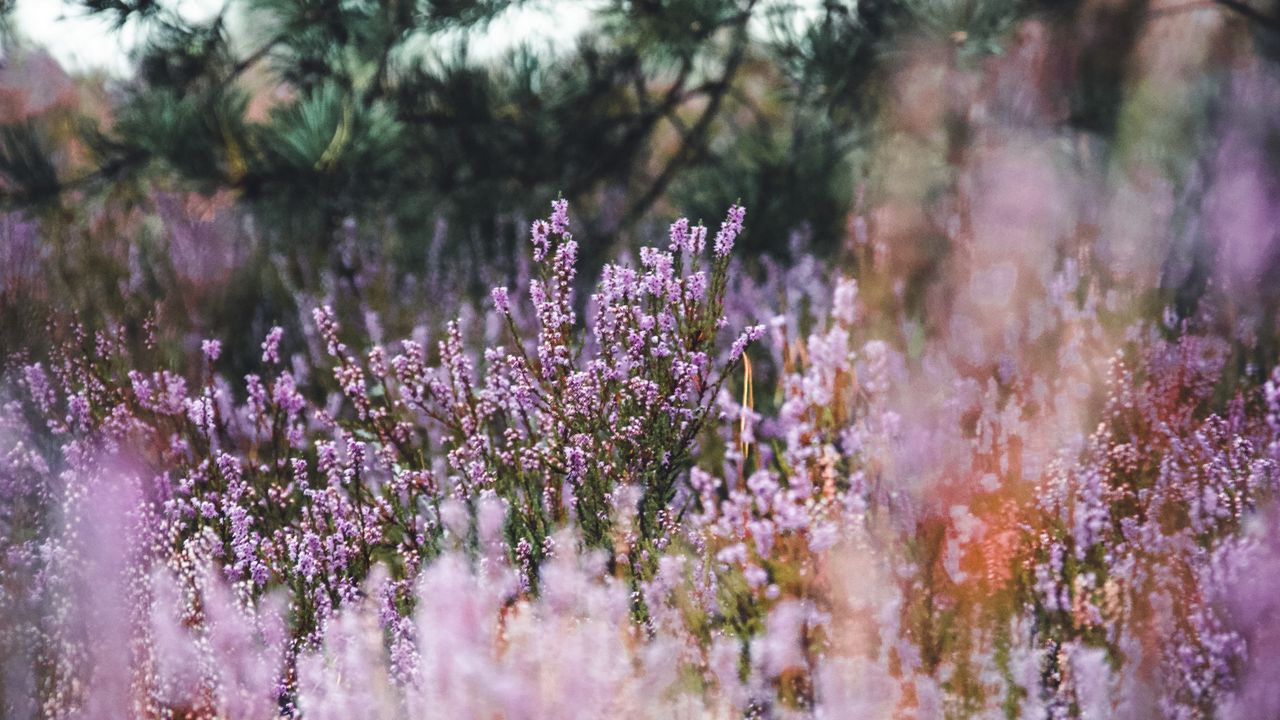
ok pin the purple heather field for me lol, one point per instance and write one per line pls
(345, 376)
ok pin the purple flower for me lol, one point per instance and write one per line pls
(748, 336)
(680, 240)
(327, 324)
(212, 349)
(560, 217)
(729, 230)
(539, 231)
(844, 301)
(501, 300)
(271, 345)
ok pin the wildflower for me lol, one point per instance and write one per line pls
(748, 336)
(729, 231)
(271, 345)
(560, 217)
(501, 301)
(212, 349)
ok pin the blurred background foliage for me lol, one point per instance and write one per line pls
(291, 148)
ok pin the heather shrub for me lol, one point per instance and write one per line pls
(548, 516)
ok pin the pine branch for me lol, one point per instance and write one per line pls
(692, 141)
